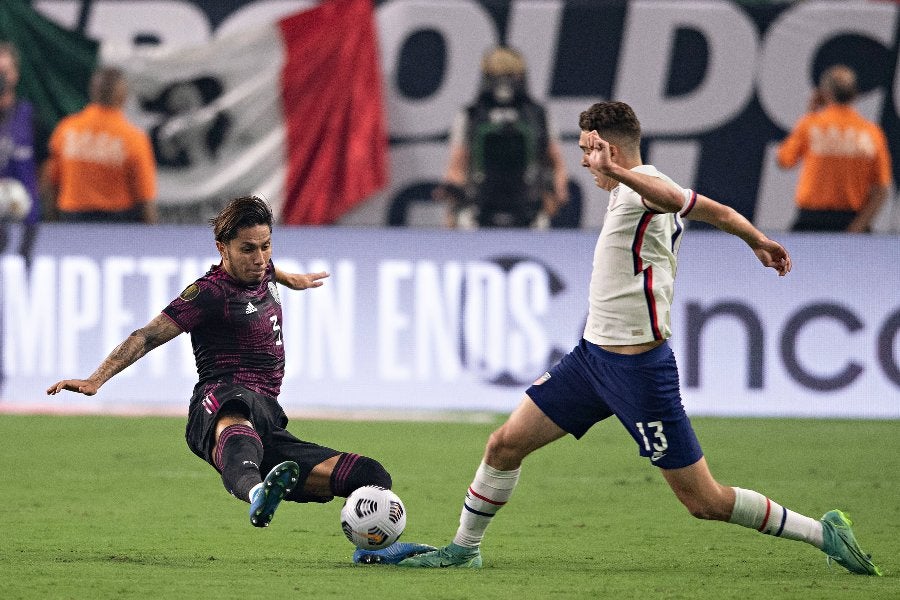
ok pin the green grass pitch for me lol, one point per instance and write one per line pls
(103, 507)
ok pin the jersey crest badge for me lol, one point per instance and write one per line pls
(273, 289)
(190, 292)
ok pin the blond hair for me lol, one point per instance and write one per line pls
(503, 61)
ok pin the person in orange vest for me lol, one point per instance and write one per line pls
(846, 171)
(101, 167)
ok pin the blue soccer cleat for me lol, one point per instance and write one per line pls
(450, 555)
(841, 545)
(277, 484)
(390, 555)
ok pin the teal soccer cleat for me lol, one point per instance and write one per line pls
(449, 556)
(841, 546)
(390, 555)
(277, 484)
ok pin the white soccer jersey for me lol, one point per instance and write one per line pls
(633, 277)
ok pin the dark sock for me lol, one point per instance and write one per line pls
(238, 455)
(353, 471)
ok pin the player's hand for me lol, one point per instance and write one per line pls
(300, 281)
(599, 159)
(772, 254)
(81, 386)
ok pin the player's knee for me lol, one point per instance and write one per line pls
(496, 445)
(503, 450)
(353, 471)
(705, 508)
(700, 512)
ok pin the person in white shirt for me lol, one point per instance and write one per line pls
(624, 367)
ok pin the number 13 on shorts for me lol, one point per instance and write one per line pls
(655, 428)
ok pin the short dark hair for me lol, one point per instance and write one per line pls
(105, 84)
(246, 211)
(839, 81)
(614, 120)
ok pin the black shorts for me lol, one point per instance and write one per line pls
(268, 420)
(823, 220)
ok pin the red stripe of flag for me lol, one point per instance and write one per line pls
(336, 139)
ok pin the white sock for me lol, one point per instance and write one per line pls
(489, 491)
(753, 510)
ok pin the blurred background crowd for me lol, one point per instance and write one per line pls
(440, 114)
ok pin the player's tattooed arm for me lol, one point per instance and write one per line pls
(141, 341)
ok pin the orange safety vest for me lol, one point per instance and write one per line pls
(844, 156)
(101, 162)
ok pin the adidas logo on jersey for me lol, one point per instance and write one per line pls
(250, 308)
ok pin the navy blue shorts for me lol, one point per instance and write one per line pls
(590, 384)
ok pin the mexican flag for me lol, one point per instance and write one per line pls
(55, 67)
(291, 110)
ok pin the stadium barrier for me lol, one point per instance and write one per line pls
(430, 320)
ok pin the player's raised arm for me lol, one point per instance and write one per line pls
(667, 198)
(769, 252)
(300, 281)
(141, 341)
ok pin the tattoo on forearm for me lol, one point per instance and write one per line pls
(140, 342)
(122, 356)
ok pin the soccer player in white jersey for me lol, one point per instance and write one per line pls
(624, 366)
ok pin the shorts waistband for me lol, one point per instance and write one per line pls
(634, 360)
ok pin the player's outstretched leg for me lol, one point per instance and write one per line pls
(390, 555)
(266, 498)
(450, 555)
(841, 546)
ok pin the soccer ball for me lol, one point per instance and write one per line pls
(373, 517)
(15, 202)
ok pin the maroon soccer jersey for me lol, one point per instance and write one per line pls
(235, 330)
